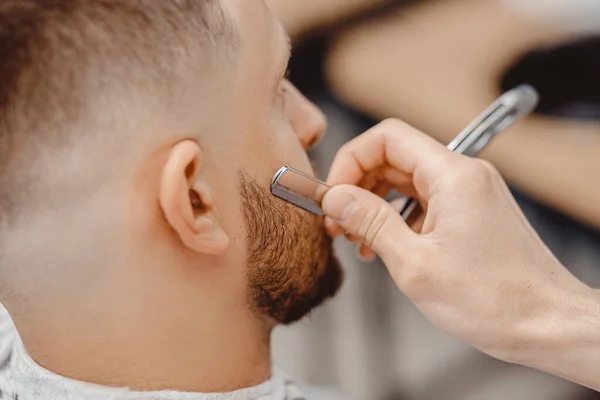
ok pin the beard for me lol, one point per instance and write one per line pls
(291, 266)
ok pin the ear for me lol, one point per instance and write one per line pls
(187, 201)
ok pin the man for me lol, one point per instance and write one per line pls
(141, 247)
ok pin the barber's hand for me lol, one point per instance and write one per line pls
(473, 265)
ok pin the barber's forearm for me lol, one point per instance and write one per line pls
(567, 342)
(556, 162)
(300, 17)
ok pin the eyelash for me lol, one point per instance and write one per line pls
(282, 90)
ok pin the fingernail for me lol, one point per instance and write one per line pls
(338, 204)
(366, 259)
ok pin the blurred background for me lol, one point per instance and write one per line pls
(436, 65)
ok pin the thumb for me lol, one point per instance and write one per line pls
(370, 218)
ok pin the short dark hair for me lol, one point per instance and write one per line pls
(61, 59)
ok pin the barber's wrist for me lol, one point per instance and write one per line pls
(564, 338)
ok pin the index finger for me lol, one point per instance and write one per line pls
(392, 143)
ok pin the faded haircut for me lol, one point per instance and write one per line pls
(75, 74)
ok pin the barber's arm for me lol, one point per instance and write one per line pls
(445, 59)
(474, 266)
(301, 17)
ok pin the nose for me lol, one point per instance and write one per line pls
(307, 120)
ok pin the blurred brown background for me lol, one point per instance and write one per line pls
(436, 65)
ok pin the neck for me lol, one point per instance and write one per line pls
(165, 349)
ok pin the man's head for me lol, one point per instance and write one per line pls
(137, 143)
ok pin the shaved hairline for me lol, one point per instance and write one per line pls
(62, 60)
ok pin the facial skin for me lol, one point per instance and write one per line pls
(288, 258)
(290, 264)
(291, 270)
(203, 261)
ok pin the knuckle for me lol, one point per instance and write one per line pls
(373, 222)
(480, 174)
(450, 169)
(393, 124)
(419, 277)
(449, 163)
(345, 150)
(414, 281)
(491, 169)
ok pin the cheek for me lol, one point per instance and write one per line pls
(289, 150)
(272, 148)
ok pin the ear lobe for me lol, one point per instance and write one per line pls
(187, 202)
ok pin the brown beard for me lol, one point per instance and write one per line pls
(291, 266)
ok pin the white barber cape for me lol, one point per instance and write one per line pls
(580, 16)
(21, 378)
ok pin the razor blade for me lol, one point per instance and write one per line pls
(306, 192)
(299, 189)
